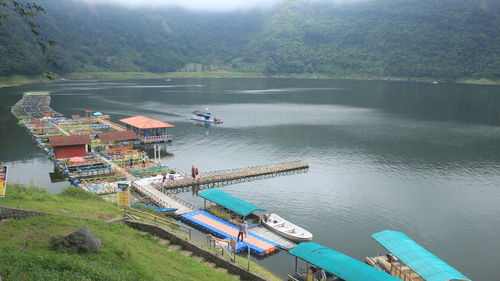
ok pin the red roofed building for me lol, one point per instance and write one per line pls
(69, 146)
(149, 129)
(117, 136)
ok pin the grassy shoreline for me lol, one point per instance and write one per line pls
(126, 254)
(18, 80)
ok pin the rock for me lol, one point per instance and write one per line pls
(80, 241)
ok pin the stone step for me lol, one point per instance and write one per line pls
(164, 242)
(187, 253)
(210, 264)
(175, 247)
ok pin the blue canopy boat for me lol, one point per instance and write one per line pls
(407, 260)
(333, 265)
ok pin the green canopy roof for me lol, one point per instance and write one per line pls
(338, 264)
(423, 262)
(229, 202)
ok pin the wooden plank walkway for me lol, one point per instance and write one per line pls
(284, 243)
(233, 176)
(159, 198)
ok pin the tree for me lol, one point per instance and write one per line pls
(27, 12)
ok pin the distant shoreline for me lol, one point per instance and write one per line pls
(18, 80)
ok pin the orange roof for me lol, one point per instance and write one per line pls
(143, 122)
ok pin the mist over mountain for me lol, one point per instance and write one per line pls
(442, 39)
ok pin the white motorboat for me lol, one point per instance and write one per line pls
(205, 116)
(286, 228)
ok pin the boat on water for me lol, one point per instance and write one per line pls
(286, 228)
(408, 261)
(331, 265)
(205, 116)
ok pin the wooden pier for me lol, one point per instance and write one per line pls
(161, 199)
(233, 176)
(284, 243)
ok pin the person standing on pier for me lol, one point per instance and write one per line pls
(196, 172)
(241, 232)
(193, 172)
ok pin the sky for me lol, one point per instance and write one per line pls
(204, 5)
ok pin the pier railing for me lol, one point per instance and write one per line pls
(181, 200)
(233, 176)
(131, 213)
(155, 199)
(156, 138)
(222, 244)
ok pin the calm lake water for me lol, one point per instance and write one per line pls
(419, 158)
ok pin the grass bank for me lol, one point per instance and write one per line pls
(149, 75)
(126, 254)
(480, 81)
(19, 80)
(72, 202)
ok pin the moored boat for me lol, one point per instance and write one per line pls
(205, 116)
(286, 228)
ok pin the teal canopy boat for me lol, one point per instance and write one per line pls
(407, 260)
(333, 265)
(229, 202)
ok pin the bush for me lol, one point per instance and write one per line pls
(27, 191)
(78, 193)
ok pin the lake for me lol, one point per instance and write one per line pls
(419, 158)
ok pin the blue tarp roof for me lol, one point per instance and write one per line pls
(339, 264)
(423, 262)
(229, 202)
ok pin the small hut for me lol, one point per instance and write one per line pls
(149, 130)
(69, 146)
(118, 137)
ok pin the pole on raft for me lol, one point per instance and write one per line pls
(248, 258)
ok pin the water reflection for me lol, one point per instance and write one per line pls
(420, 158)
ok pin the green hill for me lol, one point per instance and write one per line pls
(126, 254)
(441, 39)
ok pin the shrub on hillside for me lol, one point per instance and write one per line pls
(78, 193)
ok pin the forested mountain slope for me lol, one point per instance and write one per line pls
(444, 39)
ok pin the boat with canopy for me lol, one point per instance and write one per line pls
(409, 261)
(330, 265)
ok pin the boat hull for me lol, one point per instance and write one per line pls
(297, 234)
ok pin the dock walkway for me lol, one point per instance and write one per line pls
(223, 229)
(233, 176)
(284, 243)
(159, 198)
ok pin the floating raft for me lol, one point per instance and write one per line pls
(284, 243)
(223, 229)
(34, 105)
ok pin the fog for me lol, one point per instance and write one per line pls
(208, 5)
(202, 5)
